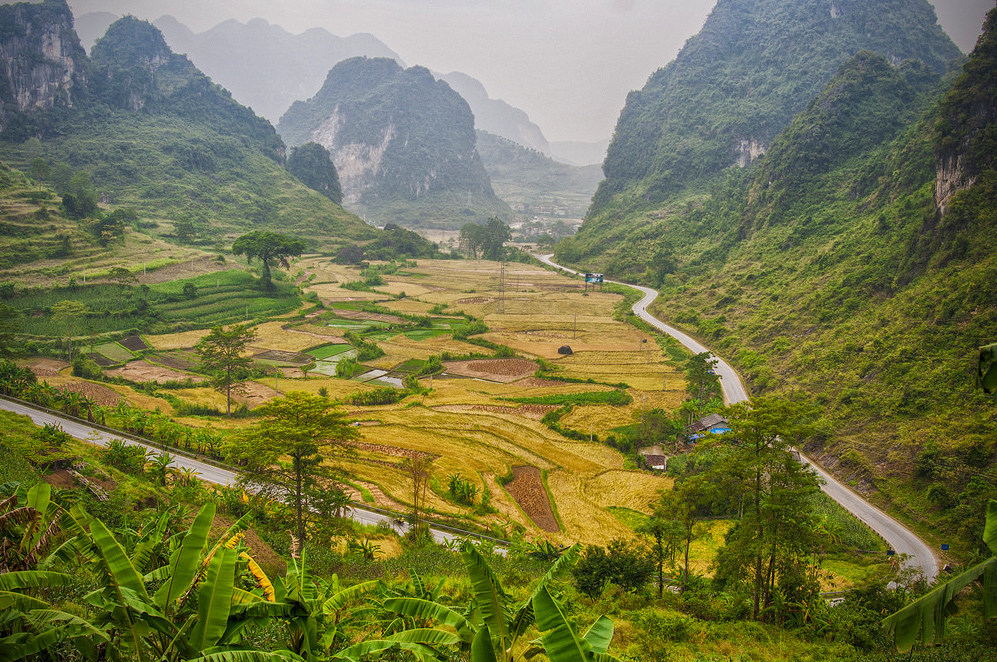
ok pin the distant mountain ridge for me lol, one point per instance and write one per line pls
(402, 141)
(149, 130)
(267, 68)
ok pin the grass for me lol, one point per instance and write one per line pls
(115, 352)
(328, 350)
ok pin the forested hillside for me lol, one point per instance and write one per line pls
(852, 263)
(148, 130)
(734, 87)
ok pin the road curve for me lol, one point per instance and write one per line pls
(916, 553)
(207, 472)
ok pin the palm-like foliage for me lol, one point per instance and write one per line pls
(925, 618)
(28, 521)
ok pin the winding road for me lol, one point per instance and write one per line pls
(903, 541)
(207, 472)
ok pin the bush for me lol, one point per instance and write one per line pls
(381, 396)
(625, 564)
(87, 368)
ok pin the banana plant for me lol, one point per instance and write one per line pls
(925, 618)
(29, 520)
(492, 628)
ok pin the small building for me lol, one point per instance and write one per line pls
(712, 424)
(656, 462)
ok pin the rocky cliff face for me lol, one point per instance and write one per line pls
(967, 129)
(42, 64)
(127, 60)
(398, 137)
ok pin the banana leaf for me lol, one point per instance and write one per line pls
(247, 656)
(924, 619)
(489, 598)
(481, 648)
(560, 641)
(120, 568)
(425, 610)
(355, 653)
(345, 596)
(185, 568)
(22, 579)
(214, 600)
(524, 617)
(428, 636)
(143, 551)
(600, 635)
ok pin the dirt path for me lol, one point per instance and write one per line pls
(528, 490)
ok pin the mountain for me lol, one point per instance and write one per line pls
(853, 265)
(403, 144)
(146, 129)
(46, 67)
(91, 26)
(737, 84)
(534, 184)
(264, 66)
(496, 116)
(579, 153)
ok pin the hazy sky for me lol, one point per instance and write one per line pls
(568, 63)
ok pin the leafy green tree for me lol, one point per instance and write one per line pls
(627, 565)
(68, 312)
(312, 164)
(986, 375)
(80, 201)
(702, 382)
(221, 353)
(775, 538)
(281, 455)
(485, 241)
(269, 248)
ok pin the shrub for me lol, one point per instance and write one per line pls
(627, 565)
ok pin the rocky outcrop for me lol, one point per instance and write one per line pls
(397, 137)
(127, 60)
(42, 64)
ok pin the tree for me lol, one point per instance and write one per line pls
(281, 455)
(68, 312)
(677, 512)
(419, 468)
(775, 536)
(269, 248)
(221, 354)
(702, 381)
(485, 240)
(122, 276)
(312, 164)
(627, 565)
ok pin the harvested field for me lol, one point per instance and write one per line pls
(281, 336)
(46, 367)
(134, 343)
(173, 361)
(184, 340)
(528, 491)
(496, 370)
(143, 371)
(474, 301)
(534, 412)
(364, 315)
(252, 394)
(277, 356)
(392, 451)
(102, 395)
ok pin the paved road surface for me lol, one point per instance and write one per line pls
(899, 538)
(207, 472)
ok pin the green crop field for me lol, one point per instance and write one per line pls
(115, 352)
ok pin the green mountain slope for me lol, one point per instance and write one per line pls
(403, 144)
(532, 183)
(156, 134)
(735, 86)
(830, 268)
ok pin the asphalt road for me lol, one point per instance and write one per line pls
(206, 472)
(904, 542)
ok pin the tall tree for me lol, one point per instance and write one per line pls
(312, 164)
(9, 327)
(269, 248)
(281, 455)
(774, 539)
(221, 353)
(68, 312)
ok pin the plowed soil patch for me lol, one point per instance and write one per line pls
(393, 451)
(474, 300)
(283, 357)
(528, 490)
(134, 343)
(496, 370)
(102, 395)
(46, 367)
(252, 394)
(173, 361)
(534, 412)
(142, 371)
